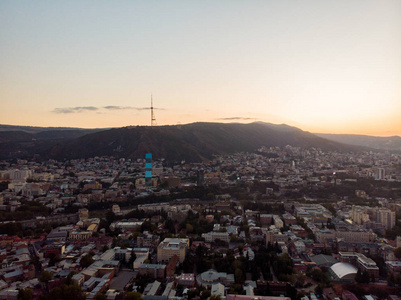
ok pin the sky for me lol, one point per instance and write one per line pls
(322, 66)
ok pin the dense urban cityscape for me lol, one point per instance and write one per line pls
(205, 150)
(281, 222)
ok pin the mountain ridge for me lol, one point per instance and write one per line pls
(392, 143)
(191, 142)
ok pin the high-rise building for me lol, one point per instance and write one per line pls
(380, 173)
(386, 217)
(359, 214)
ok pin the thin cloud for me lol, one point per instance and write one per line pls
(71, 110)
(79, 109)
(235, 119)
(113, 107)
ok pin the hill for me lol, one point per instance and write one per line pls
(191, 142)
(376, 142)
(37, 129)
(25, 141)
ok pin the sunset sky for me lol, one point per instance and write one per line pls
(322, 66)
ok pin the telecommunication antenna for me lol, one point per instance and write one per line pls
(152, 115)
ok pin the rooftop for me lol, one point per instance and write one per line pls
(343, 269)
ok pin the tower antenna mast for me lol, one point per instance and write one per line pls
(152, 115)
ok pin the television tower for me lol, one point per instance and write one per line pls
(152, 115)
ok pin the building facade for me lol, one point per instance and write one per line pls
(172, 246)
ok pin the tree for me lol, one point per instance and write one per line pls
(68, 280)
(45, 276)
(189, 228)
(239, 276)
(397, 252)
(316, 275)
(110, 217)
(299, 280)
(66, 292)
(291, 291)
(233, 239)
(135, 235)
(169, 225)
(147, 226)
(86, 261)
(25, 294)
(179, 289)
(100, 297)
(132, 259)
(142, 281)
(235, 289)
(205, 294)
(200, 250)
(133, 296)
(391, 279)
(53, 259)
(318, 290)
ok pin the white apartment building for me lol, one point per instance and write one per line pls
(386, 217)
(216, 235)
(278, 222)
(300, 246)
(356, 236)
(359, 214)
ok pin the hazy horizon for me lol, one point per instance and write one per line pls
(107, 128)
(324, 67)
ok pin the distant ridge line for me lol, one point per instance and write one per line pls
(191, 142)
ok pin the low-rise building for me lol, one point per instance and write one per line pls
(356, 235)
(289, 219)
(322, 235)
(147, 239)
(156, 271)
(394, 267)
(299, 231)
(218, 290)
(170, 247)
(278, 222)
(361, 262)
(299, 246)
(216, 235)
(208, 278)
(187, 279)
(79, 235)
(125, 225)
